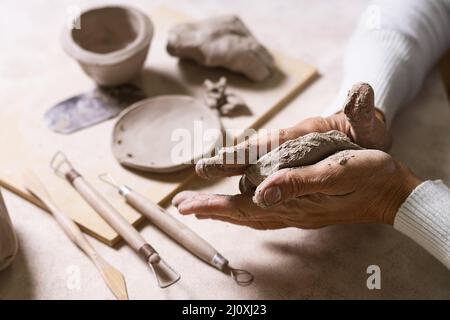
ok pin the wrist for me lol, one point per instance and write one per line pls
(405, 185)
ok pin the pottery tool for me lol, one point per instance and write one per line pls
(112, 277)
(164, 274)
(178, 231)
(89, 108)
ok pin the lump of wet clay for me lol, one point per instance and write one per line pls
(221, 42)
(217, 97)
(303, 151)
(8, 240)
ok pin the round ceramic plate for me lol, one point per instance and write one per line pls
(165, 134)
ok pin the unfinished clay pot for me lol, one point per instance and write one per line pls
(111, 44)
(8, 240)
(152, 134)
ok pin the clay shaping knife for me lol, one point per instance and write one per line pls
(164, 274)
(89, 108)
(113, 278)
(178, 231)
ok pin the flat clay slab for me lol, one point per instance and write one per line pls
(26, 142)
(148, 134)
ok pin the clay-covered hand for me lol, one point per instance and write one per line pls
(360, 121)
(368, 188)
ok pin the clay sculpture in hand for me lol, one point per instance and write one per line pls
(221, 42)
(303, 151)
(8, 240)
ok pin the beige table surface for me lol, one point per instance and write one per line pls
(287, 264)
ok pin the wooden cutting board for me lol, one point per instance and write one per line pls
(46, 76)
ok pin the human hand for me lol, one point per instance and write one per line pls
(368, 188)
(360, 121)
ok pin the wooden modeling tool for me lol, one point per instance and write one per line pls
(112, 277)
(178, 231)
(164, 274)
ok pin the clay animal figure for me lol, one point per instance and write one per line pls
(222, 42)
(217, 97)
(8, 240)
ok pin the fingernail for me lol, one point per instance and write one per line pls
(272, 196)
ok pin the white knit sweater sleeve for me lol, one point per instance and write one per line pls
(395, 45)
(425, 217)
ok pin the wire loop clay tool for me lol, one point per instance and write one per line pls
(178, 231)
(164, 274)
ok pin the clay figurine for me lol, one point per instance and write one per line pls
(217, 97)
(221, 42)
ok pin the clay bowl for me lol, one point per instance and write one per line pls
(111, 44)
(148, 135)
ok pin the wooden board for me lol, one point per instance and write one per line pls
(33, 88)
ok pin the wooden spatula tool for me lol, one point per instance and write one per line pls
(112, 277)
(165, 275)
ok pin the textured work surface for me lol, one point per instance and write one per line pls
(287, 264)
(27, 142)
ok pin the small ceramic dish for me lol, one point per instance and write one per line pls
(165, 133)
(111, 44)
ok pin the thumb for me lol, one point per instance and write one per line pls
(359, 107)
(292, 183)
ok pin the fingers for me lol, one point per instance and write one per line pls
(204, 204)
(286, 184)
(237, 207)
(180, 197)
(367, 123)
(234, 160)
(359, 107)
(258, 225)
